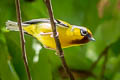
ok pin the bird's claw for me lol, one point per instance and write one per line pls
(60, 55)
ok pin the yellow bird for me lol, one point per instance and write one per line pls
(69, 35)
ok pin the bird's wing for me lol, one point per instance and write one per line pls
(57, 22)
(35, 21)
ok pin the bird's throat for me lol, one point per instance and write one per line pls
(82, 41)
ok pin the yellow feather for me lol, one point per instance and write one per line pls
(66, 35)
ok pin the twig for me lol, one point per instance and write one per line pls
(104, 63)
(58, 45)
(83, 74)
(105, 54)
(95, 63)
(101, 55)
(19, 19)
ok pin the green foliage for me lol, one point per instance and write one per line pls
(44, 63)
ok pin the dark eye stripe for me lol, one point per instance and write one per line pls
(82, 41)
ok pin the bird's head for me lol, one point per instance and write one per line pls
(81, 35)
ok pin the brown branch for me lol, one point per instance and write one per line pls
(83, 74)
(19, 19)
(58, 45)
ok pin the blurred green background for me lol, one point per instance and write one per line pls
(102, 17)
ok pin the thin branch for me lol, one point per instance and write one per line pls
(58, 45)
(98, 59)
(19, 19)
(104, 63)
(95, 63)
(105, 54)
(83, 74)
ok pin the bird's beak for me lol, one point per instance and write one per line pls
(91, 39)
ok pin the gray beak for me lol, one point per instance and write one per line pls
(91, 39)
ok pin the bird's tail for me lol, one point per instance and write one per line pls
(11, 25)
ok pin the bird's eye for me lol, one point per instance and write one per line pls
(83, 32)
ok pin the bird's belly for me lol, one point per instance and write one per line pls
(49, 41)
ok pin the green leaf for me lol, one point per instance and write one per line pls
(7, 70)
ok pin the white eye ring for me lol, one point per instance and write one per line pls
(83, 32)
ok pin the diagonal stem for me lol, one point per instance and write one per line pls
(104, 64)
(58, 44)
(105, 55)
(19, 19)
(95, 63)
(98, 59)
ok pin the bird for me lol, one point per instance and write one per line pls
(69, 35)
